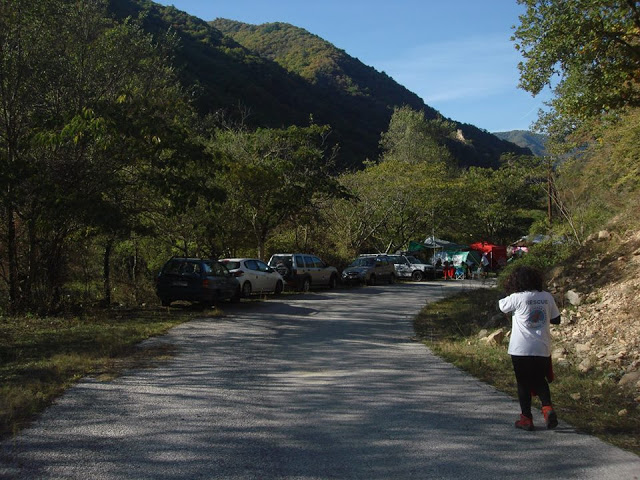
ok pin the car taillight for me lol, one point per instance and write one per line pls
(238, 273)
(205, 282)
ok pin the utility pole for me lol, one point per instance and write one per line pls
(549, 190)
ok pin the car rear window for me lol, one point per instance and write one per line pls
(363, 262)
(231, 265)
(278, 259)
(179, 267)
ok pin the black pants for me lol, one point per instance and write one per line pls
(531, 375)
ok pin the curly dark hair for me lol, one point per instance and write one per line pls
(523, 278)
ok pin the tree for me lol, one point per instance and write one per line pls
(412, 138)
(273, 175)
(93, 119)
(497, 205)
(26, 70)
(590, 47)
(394, 202)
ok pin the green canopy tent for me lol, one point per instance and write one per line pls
(462, 256)
(436, 248)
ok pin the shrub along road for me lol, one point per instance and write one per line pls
(324, 385)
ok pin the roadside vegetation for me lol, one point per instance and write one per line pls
(592, 402)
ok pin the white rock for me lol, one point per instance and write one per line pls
(573, 297)
(603, 235)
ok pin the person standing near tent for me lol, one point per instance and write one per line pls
(533, 311)
(470, 264)
(485, 264)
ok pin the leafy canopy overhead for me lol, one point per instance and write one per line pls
(591, 48)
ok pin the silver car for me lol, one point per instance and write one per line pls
(369, 269)
(408, 266)
(302, 270)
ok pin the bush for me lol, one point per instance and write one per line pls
(544, 256)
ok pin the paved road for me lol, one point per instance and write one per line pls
(320, 386)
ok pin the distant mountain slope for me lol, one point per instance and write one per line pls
(535, 142)
(332, 69)
(283, 75)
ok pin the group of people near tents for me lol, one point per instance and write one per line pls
(462, 261)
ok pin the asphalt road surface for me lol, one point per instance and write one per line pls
(327, 385)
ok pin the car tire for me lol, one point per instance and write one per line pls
(165, 302)
(279, 288)
(306, 285)
(416, 276)
(332, 281)
(246, 289)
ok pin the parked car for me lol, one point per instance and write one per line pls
(196, 280)
(303, 271)
(370, 269)
(254, 275)
(408, 266)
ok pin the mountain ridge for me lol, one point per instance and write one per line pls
(227, 72)
(536, 142)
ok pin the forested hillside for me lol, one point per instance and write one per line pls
(536, 142)
(360, 93)
(240, 70)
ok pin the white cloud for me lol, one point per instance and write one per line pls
(465, 69)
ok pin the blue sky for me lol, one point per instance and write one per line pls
(456, 55)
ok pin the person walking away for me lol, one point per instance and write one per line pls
(533, 311)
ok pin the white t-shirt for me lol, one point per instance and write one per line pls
(530, 333)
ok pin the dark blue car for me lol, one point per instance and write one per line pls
(196, 280)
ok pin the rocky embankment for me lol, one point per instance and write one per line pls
(599, 297)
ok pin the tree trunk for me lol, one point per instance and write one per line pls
(134, 270)
(107, 272)
(12, 259)
(33, 263)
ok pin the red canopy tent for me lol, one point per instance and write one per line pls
(497, 254)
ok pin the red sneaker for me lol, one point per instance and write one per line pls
(525, 423)
(550, 417)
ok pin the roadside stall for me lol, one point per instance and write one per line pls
(497, 254)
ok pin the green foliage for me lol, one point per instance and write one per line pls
(544, 256)
(599, 184)
(590, 48)
(392, 202)
(496, 205)
(97, 133)
(411, 138)
(272, 176)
